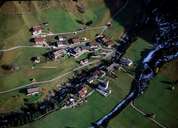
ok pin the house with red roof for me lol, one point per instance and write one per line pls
(83, 92)
(40, 41)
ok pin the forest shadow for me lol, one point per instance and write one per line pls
(135, 11)
(132, 11)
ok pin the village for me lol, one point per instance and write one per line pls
(81, 63)
(84, 51)
(71, 45)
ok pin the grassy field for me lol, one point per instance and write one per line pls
(96, 106)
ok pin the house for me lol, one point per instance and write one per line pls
(40, 41)
(74, 40)
(59, 44)
(103, 88)
(83, 92)
(55, 54)
(32, 91)
(102, 39)
(103, 85)
(61, 39)
(36, 30)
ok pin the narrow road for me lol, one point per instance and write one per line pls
(51, 80)
(143, 113)
(74, 32)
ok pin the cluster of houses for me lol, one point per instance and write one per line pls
(104, 40)
(75, 47)
(99, 83)
(70, 47)
(37, 36)
(76, 100)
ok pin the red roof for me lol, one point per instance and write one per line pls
(83, 92)
(39, 39)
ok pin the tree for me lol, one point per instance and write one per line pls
(9, 67)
